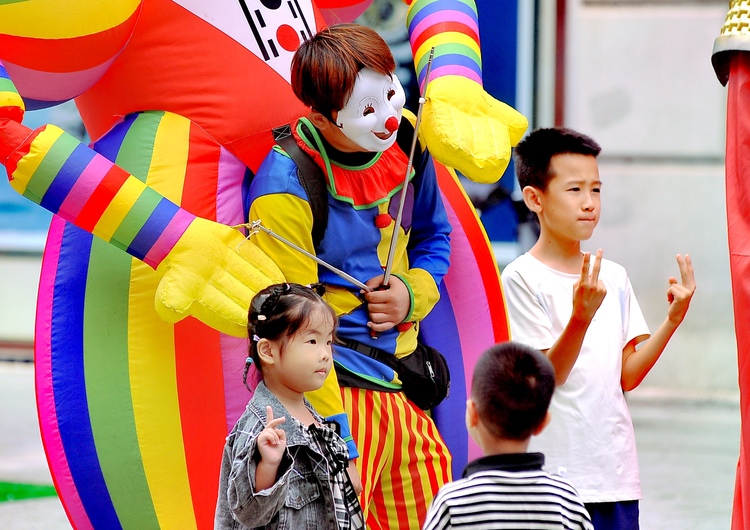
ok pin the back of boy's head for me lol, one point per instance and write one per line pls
(325, 67)
(533, 153)
(511, 389)
(279, 311)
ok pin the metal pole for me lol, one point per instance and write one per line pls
(397, 225)
(256, 226)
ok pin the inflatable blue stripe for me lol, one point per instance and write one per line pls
(69, 379)
(440, 331)
(67, 177)
(109, 146)
(453, 59)
(437, 7)
(155, 225)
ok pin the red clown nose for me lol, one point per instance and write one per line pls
(391, 124)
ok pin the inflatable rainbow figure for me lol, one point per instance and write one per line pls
(140, 334)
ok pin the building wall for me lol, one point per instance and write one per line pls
(18, 288)
(639, 80)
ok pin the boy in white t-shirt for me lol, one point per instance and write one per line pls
(582, 313)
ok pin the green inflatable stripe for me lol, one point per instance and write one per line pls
(10, 491)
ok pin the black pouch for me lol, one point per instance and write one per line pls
(424, 375)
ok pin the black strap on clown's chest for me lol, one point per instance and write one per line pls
(312, 178)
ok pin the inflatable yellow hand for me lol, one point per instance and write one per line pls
(212, 274)
(467, 129)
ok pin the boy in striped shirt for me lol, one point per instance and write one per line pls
(511, 390)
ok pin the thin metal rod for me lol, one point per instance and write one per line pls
(255, 226)
(402, 201)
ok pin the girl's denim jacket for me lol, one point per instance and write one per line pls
(300, 499)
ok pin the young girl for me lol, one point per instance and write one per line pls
(282, 466)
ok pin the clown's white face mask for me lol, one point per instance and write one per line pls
(371, 116)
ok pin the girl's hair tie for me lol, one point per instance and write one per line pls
(256, 338)
(318, 288)
(248, 362)
(261, 317)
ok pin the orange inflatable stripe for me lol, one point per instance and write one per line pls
(202, 196)
(200, 382)
(443, 28)
(199, 360)
(101, 198)
(18, 139)
(67, 55)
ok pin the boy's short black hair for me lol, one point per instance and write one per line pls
(533, 153)
(512, 388)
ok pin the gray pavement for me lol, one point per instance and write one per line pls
(21, 454)
(687, 450)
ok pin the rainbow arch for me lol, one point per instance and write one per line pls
(470, 317)
(133, 410)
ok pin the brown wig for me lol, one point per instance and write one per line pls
(325, 68)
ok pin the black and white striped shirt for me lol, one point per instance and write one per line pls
(508, 492)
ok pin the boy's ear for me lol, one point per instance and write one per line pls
(472, 417)
(542, 425)
(317, 119)
(265, 351)
(532, 198)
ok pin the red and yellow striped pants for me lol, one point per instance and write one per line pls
(403, 460)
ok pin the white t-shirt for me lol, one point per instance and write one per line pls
(590, 440)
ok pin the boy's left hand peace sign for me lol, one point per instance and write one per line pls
(680, 294)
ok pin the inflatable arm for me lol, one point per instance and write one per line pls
(12, 106)
(464, 127)
(207, 269)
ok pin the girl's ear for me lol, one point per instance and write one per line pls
(532, 198)
(265, 351)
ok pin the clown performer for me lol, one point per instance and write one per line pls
(344, 74)
(731, 62)
(141, 320)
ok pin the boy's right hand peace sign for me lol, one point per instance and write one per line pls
(589, 291)
(272, 440)
(680, 294)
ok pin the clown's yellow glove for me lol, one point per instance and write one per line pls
(212, 273)
(467, 129)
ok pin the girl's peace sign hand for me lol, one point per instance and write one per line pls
(272, 440)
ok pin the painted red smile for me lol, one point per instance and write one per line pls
(383, 136)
